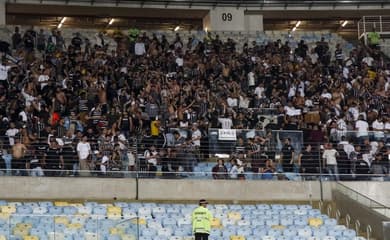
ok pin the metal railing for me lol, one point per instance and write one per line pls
(379, 24)
(259, 153)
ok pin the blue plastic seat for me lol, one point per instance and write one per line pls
(349, 233)
(289, 232)
(55, 210)
(99, 210)
(244, 231)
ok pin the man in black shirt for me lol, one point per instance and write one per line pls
(69, 155)
(287, 161)
(53, 159)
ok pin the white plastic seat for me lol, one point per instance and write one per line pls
(183, 221)
(39, 210)
(144, 211)
(167, 232)
(228, 222)
(243, 223)
(268, 238)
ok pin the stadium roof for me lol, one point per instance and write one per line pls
(230, 3)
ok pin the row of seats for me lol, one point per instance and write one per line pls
(122, 220)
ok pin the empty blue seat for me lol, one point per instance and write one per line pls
(69, 210)
(349, 233)
(245, 231)
(215, 233)
(289, 232)
(99, 210)
(55, 210)
(227, 232)
(46, 204)
(274, 232)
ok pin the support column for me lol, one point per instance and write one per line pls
(2, 12)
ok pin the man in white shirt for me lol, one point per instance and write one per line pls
(195, 136)
(362, 129)
(83, 152)
(259, 90)
(11, 133)
(180, 61)
(330, 161)
(368, 60)
(139, 48)
(4, 70)
(379, 128)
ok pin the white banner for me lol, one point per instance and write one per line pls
(227, 134)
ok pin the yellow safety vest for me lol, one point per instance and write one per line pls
(201, 220)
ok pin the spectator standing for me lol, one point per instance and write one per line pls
(201, 221)
(330, 161)
(220, 170)
(83, 152)
(18, 154)
(53, 160)
(287, 156)
(151, 157)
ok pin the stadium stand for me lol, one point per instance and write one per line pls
(158, 96)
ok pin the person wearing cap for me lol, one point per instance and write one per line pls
(201, 221)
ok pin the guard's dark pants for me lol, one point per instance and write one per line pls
(201, 236)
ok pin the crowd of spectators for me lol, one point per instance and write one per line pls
(79, 105)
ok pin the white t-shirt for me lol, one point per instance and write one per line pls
(153, 157)
(4, 72)
(244, 102)
(43, 80)
(330, 156)
(379, 128)
(259, 91)
(179, 61)
(232, 102)
(368, 60)
(226, 123)
(291, 111)
(83, 149)
(362, 128)
(314, 58)
(139, 48)
(251, 79)
(196, 134)
(23, 115)
(103, 168)
(11, 133)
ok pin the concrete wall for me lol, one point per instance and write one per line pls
(254, 23)
(30, 188)
(364, 214)
(379, 191)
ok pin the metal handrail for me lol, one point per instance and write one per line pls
(320, 205)
(357, 226)
(347, 220)
(368, 231)
(338, 214)
(329, 210)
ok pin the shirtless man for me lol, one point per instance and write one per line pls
(18, 153)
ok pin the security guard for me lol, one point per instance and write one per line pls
(201, 219)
